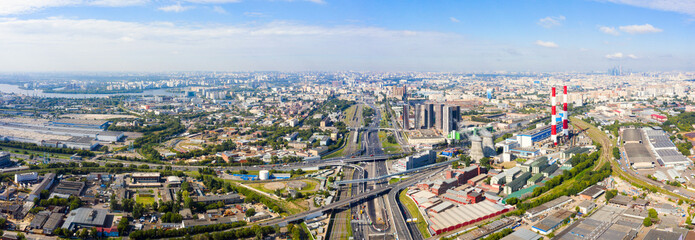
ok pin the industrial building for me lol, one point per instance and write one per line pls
(5, 159)
(74, 188)
(551, 222)
(87, 218)
(146, 177)
(456, 217)
(666, 152)
(547, 207)
(26, 177)
(530, 137)
(226, 199)
(415, 161)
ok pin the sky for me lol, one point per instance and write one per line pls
(347, 35)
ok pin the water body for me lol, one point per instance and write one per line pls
(8, 88)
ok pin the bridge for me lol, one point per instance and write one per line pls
(371, 129)
(347, 201)
(338, 183)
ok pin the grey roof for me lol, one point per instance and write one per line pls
(53, 222)
(655, 234)
(86, 216)
(632, 134)
(671, 156)
(442, 206)
(39, 219)
(522, 234)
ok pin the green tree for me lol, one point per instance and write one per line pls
(485, 162)
(647, 222)
(250, 212)
(653, 213)
(122, 226)
(616, 153)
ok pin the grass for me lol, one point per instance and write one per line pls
(348, 225)
(339, 153)
(413, 210)
(145, 199)
(394, 180)
(37, 154)
(349, 113)
(193, 174)
(389, 148)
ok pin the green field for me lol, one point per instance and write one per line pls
(394, 180)
(339, 153)
(413, 210)
(144, 199)
(389, 148)
(36, 153)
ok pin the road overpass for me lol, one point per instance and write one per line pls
(393, 174)
(348, 201)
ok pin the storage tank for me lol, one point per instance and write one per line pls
(264, 175)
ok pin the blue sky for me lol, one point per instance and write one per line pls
(335, 35)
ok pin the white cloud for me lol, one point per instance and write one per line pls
(213, 1)
(453, 19)
(640, 29)
(546, 44)
(679, 6)
(275, 45)
(175, 8)
(10, 7)
(549, 22)
(619, 55)
(609, 30)
(254, 14)
(219, 9)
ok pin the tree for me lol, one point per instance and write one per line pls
(250, 212)
(647, 222)
(616, 153)
(122, 226)
(84, 233)
(512, 201)
(653, 213)
(485, 162)
(610, 194)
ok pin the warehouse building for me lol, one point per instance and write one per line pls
(517, 184)
(226, 199)
(5, 159)
(551, 222)
(456, 217)
(547, 207)
(87, 218)
(528, 138)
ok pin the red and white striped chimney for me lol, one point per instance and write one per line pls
(553, 116)
(565, 126)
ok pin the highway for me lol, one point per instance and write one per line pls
(360, 197)
(398, 211)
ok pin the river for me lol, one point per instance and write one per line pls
(8, 88)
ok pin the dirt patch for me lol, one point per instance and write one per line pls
(274, 186)
(297, 184)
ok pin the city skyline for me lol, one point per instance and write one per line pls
(325, 35)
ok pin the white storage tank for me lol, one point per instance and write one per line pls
(263, 175)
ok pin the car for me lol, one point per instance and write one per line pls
(371, 155)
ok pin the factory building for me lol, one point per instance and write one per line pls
(5, 159)
(415, 161)
(457, 217)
